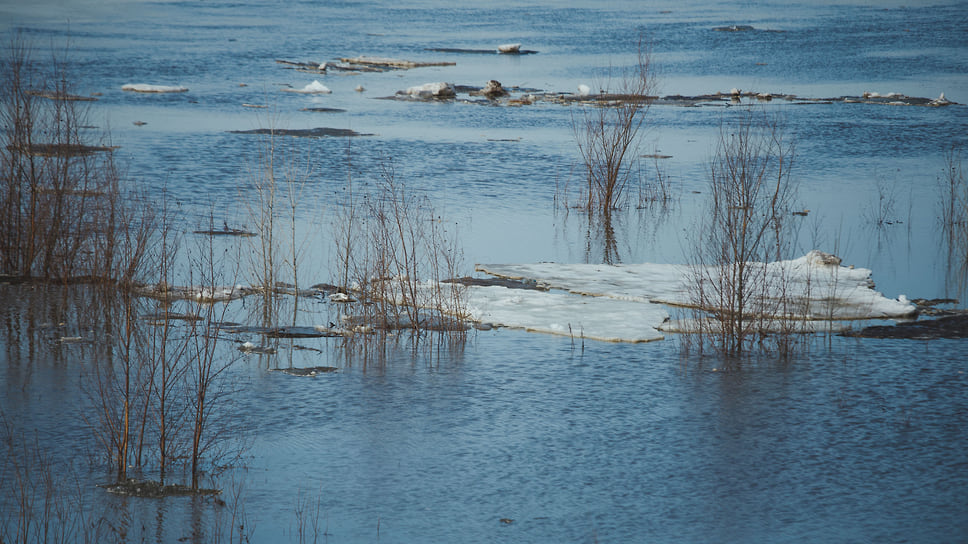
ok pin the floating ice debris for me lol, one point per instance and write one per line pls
(318, 132)
(734, 28)
(359, 89)
(340, 297)
(313, 88)
(310, 372)
(388, 63)
(146, 88)
(509, 48)
(940, 101)
(493, 89)
(584, 90)
(249, 347)
(63, 96)
(432, 90)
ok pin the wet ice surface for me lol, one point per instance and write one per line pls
(625, 303)
(610, 442)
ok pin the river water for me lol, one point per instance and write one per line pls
(857, 440)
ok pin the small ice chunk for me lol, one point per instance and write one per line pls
(429, 90)
(509, 48)
(584, 90)
(146, 88)
(313, 88)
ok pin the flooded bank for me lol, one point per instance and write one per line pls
(325, 425)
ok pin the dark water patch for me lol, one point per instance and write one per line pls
(319, 132)
(324, 110)
(500, 282)
(155, 490)
(480, 51)
(310, 372)
(225, 232)
(275, 332)
(952, 326)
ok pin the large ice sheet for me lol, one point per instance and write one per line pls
(596, 318)
(627, 302)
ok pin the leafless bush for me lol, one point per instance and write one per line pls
(394, 254)
(607, 135)
(278, 186)
(655, 191)
(207, 390)
(882, 211)
(953, 205)
(736, 301)
(953, 201)
(63, 213)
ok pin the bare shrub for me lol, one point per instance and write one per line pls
(394, 257)
(953, 201)
(63, 213)
(953, 206)
(607, 134)
(735, 300)
(206, 389)
(278, 183)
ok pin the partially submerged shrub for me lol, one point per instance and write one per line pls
(63, 212)
(953, 204)
(394, 255)
(735, 301)
(608, 135)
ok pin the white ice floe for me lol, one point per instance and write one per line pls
(630, 302)
(313, 88)
(146, 88)
(509, 48)
(429, 90)
(595, 318)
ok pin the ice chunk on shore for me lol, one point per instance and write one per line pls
(313, 88)
(146, 88)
